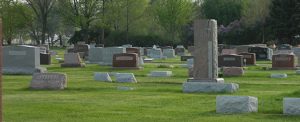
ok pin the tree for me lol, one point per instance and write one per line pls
(225, 11)
(172, 15)
(42, 9)
(284, 20)
(13, 21)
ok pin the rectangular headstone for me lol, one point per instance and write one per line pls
(48, 81)
(72, 60)
(249, 57)
(291, 106)
(126, 60)
(169, 53)
(96, 55)
(21, 60)
(284, 61)
(236, 104)
(109, 52)
(231, 61)
(262, 53)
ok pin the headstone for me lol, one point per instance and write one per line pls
(21, 60)
(291, 106)
(284, 47)
(296, 51)
(233, 71)
(243, 48)
(236, 104)
(102, 76)
(82, 49)
(125, 78)
(249, 58)
(48, 81)
(190, 63)
(284, 61)
(229, 52)
(133, 50)
(161, 73)
(279, 75)
(126, 61)
(185, 58)
(169, 53)
(96, 55)
(205, 78)
(109, 52)
(155, 53)
(43, 50)
(45, 58)
(180, 50)
(230, 61)
(146, 50)
(72, 60)
(148, 60)
(262, 53)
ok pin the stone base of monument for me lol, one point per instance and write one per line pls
(283, 68)
(291, 106)
(131, 68)
(206, 86)
(73, 65)
(23, 71)
(236, 104)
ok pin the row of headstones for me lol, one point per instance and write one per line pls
(248, 104)
(58, 81)
(127, 77)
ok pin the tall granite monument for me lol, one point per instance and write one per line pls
(205, 77)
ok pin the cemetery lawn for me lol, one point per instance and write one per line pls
(153, 99)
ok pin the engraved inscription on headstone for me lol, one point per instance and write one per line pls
(48, 81)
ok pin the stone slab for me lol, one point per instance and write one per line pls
(125, 78)
(55, 81)
(233, 71)
(161, 73)
(207, 87)
(279, 76)
(102, 76)
(291, 106)
(236, 104)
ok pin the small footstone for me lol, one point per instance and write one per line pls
(279, 76)
(161, 73)
(291, 106)
(236, 104)
(125, 78)
(102, 76)
(125, 88)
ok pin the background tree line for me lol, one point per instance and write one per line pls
(148, 22)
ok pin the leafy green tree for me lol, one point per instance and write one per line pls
(172, 15)
(284, 20)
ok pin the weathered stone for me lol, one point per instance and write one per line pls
(233, 71)
(155, 53)
(161, 73)
(191, 87)
(48, 81)
(291, 106)
(102, 76)
(72, 60)
(279, 75)
(125, 78)
(205, 78)
(236, 104)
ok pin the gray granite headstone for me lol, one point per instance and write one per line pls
(169, 53)
(72, 60)
(155, 53)
(109, 52)
(21, 60)
(236, 104)
(125, 78)
(206, 60)
(291, 106)
(95, 55)
(161, 73)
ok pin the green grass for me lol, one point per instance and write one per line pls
(153, 99)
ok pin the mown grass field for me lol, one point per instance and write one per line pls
(153, 99)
